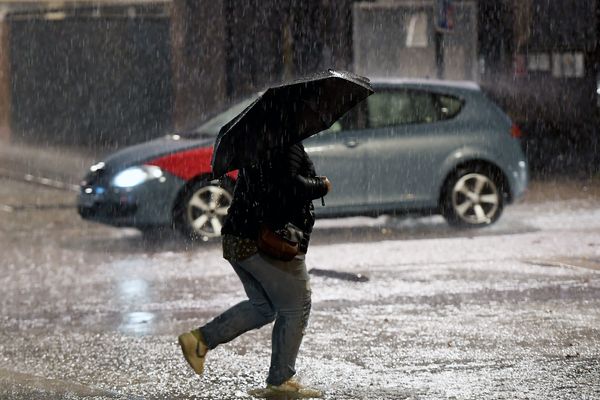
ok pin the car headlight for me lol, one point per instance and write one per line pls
(134, 176)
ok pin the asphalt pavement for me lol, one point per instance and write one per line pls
(506, 312)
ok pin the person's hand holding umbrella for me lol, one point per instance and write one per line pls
(329, 186)
(327, 183)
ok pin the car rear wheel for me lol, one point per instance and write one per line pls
(473, 198)
(202, 210)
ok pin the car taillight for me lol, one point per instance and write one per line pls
(515, 131)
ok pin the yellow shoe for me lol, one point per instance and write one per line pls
(290, 389)
(194, 349)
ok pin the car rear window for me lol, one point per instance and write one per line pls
(450, 106)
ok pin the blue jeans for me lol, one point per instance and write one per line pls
(276, 290)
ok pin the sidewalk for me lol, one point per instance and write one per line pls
(52, 166)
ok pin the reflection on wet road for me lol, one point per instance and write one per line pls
(506, 312)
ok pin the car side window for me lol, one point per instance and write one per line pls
(390, 108)
(425, 108)
(352, 120)
(387, 108)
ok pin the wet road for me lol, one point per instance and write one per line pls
(507, 312)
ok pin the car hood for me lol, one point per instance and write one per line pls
(147, 151)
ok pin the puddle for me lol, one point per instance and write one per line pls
(346, 276)
(39, 387)
(592, 263)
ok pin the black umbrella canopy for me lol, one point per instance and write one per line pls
(287, 114)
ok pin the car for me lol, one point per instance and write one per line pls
(414, 146)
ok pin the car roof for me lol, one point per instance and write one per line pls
(424, 82)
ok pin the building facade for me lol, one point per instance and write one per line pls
(83, 73)
(540, 59)
(115, 72)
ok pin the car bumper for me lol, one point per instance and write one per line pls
(519, 179)
(148, 204)
(108, 211)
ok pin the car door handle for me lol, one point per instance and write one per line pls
(352, 143)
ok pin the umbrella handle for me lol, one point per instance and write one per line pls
(323, 201)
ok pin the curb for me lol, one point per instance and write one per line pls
(54, 167)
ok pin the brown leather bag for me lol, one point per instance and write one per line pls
(282, 244)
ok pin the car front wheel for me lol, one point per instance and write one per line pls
(473, 198)
(202, 210)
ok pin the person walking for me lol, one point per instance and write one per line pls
(275, 195)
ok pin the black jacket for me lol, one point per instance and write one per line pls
(276, 192)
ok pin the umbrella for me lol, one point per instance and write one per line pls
(286, 114)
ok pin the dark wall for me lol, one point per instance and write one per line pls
(495, 35)
(85, 80)
(509, 36)
(275, 40)
(559, 112)
(255, 45)
(224, 50)
(563, 25)
(198, 32)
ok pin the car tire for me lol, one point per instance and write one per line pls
(202, 208)
(473, 197)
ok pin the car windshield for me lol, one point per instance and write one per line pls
(213, 125)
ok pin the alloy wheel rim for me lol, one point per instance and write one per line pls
(475, 199)
(207, 209)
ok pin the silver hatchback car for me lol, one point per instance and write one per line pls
(422, 146)
(413, 146)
